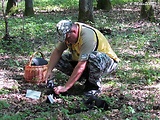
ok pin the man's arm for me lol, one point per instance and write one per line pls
(55, 56)
(76, 74)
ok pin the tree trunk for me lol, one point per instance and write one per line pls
(86, 11)
(147, 11)
(104, 5)
(28, 8)
(6, 22)
(11, 6)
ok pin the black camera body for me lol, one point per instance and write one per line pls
(50, 84)
(50, 91)
(50, 87)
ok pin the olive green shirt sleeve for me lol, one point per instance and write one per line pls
(89, 43)
(61, 46)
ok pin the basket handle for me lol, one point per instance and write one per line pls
(30, 61)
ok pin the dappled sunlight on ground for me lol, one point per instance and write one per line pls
(136, 84)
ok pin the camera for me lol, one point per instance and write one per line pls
(50, 91)
(50, 84)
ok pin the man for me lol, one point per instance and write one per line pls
(90, 56)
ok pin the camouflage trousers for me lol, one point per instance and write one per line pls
(97, 65)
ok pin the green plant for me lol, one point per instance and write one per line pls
(127, 111)
(4, 91)
(3, 104)
(115, 2)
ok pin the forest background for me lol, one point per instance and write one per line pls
(132, 92)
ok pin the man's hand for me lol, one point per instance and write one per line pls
(60, 89)
(48, 75)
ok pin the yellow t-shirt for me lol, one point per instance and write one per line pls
(89, 39)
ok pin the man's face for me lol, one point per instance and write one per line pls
(71, 37)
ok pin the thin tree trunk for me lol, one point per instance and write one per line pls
(10, 5)
(86, 11)
(104, 5)
(28, 8)
(147, 11)
(6, 22)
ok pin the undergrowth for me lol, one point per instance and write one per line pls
(137, 47)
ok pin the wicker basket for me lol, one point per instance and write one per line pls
(35, 74)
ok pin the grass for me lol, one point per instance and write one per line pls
(137, 47)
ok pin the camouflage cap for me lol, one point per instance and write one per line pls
(63, 27)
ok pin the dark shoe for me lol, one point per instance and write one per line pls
(89, 86)
(92, 93)
(91, 89)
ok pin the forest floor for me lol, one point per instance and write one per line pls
(132, 100)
